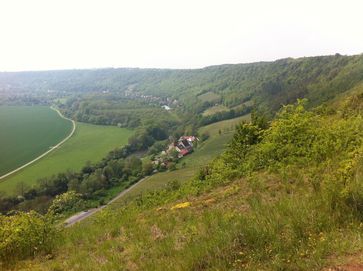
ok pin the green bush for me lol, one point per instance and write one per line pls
(25, 235)
(65, 202)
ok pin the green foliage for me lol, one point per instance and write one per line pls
(246, 135)
(65, 202)
(298, 204)
(122, 111)
(300, 196)
(147, 168)
(296, 137)
(268, 84)
(25, 235)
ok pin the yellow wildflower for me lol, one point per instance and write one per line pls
(181, 205)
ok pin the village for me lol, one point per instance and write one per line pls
(175, 151)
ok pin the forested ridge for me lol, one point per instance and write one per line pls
(268, 84)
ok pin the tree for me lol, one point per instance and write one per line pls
(147, 168)
(174, 154)
(21, 189)
(134, 164)
(65, 202)
(245, 136)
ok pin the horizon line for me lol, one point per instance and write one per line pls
(169, 68)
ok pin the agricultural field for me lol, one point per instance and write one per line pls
(205, 152)
(209, 97)
(215, 109)
(27, 132)
(89, 143)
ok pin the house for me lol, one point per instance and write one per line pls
(183, 153)
(185, 145)
(166, 107)
(190, 139)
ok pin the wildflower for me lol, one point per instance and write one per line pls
(181, 205)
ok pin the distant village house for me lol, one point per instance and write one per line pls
(184, 145)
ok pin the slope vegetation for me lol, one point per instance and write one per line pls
(285, 197)
(220, 133)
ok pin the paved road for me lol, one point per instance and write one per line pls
(84, 214)
(44, 154)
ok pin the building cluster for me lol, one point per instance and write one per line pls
(183, 146)
(176, 150)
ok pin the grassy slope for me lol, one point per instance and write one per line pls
(261, 222)
(206, 152)
(27, 132)
(209, 233)
(215, 109)
(89, 143)
(209, 97)
(165, 239)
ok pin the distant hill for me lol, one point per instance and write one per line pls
(267, 84)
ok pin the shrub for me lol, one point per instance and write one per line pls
(65, 202)
(25, 235)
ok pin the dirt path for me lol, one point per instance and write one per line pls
(84, 214)
(44, 154)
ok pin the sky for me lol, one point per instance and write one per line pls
(64, 34)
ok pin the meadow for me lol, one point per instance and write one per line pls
(205, 152)
(209, 97)
(27, 132)
(215, 109)
(89, 143)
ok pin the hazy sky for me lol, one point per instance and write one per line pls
(58, 34)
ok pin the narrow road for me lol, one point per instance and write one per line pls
(44, 154)
(84, 214)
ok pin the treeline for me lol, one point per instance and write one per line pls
(111, 109)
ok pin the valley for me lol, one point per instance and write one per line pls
(272, 182)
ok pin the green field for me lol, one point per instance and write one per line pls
(209, 97)
(215, 109)
(205, 152)
(27, 132)
(89, 143)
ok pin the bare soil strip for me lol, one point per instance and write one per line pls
(44, 154)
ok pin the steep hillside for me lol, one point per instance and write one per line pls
(286, 196)
(269, 84)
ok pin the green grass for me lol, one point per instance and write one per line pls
(209, 97)
(299, 213)
(223, 228)
(215, 109)
(89, 143)
(205, 152)
(27, 132)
